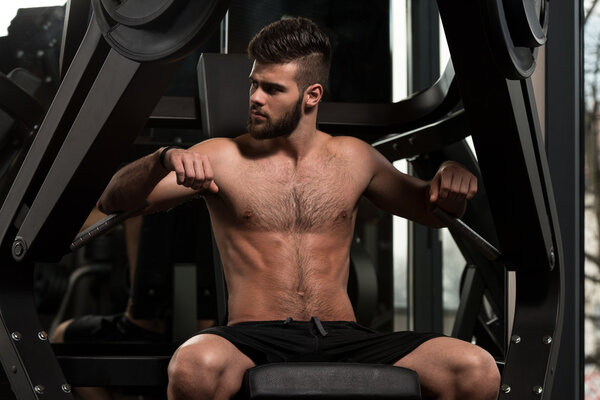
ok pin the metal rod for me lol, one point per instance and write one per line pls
(101, 227)
(459, 227)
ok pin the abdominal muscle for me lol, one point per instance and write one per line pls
(275, 275)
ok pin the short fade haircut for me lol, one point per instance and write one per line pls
(296, 40)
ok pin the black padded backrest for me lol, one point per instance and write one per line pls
(223, 91)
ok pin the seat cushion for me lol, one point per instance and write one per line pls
(330, 381)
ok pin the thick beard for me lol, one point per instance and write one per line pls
(282, 127)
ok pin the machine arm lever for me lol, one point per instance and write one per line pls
(102, 226)
(457, 226)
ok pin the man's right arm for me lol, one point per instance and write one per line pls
(183, 174)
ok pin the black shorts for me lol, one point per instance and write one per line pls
(108, 328)
(326, 341)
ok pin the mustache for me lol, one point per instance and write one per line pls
(258, 110)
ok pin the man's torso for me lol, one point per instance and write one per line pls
(284, 231)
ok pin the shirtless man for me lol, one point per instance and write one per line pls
(283, 202)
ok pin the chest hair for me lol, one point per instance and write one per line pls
(303, 200)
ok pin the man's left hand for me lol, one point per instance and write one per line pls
(451, 187)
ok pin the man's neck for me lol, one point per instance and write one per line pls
(298, 144)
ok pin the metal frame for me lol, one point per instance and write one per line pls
(426, 304)
(28, 360)
(102, 104)
(424, 44)
(507, 138)
(564, 144)
(77, 14)
(115, 364)
(23, 107)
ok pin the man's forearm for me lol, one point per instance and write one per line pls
(131, 185)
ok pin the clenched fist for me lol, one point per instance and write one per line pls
(451, 187)
(193, 170)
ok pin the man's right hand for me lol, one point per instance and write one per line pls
(193, 170)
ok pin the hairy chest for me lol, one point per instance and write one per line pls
(276, 197)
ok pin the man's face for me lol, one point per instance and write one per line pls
(275, 101)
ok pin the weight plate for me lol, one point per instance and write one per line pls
(138, 12)
(172, 34)
(515, 31)
(527, 22)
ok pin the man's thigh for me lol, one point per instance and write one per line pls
(438, 360)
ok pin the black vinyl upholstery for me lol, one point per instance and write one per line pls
(330, 381)
(223, 86)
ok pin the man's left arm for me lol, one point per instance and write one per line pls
(413, 198)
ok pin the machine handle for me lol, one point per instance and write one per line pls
(102, 226)
(458, 227)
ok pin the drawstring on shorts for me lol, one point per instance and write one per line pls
(315, 320)
(319, 326)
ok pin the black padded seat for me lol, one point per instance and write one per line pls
(318, 380)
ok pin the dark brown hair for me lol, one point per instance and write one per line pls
(296, 40)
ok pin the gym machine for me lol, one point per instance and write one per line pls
(97, 114)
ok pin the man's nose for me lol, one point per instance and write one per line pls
(257, 97)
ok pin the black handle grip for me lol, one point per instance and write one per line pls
(101, 227)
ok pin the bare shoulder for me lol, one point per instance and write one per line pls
(214, 144)
(218, 149)
(353, 149)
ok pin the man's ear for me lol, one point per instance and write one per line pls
(313, 94)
